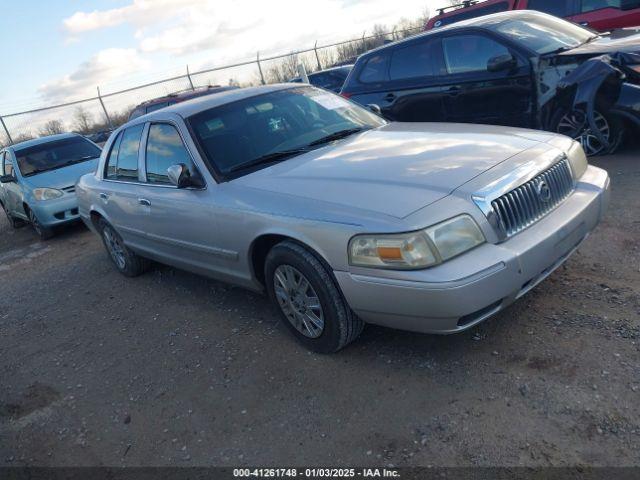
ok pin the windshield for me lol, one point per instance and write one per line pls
(270, 126)
(55, 154)
(544, 33)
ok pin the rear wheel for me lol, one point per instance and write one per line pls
(308, 299)
(126, 261)
(43, 232)
(575, 125)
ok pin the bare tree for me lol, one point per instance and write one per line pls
(52, 127)
(83, 120)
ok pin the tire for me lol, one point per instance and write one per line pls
(13, 221)
(287, 266)
(45, 233)
(573, 125)
(126, 261)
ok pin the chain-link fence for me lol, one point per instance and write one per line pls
(108, 110)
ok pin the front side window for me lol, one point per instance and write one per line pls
(543, 33)
(418, 60)
(470, 53)
(375, 70)
(273, 126)
(165, 148)
(55, 154)
(122, 163)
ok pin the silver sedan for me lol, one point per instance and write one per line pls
(341, 217)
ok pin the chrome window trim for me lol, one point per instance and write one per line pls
(521, 175)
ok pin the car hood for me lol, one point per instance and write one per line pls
(61, 177)
(606, 44)
(395, 169)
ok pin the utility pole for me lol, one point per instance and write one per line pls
(6, 130)
(260, 68)
(106, 114)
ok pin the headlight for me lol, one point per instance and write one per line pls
(42, 194)
(416, 250)
(577, 160)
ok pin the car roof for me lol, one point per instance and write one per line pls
(211, 89)
(493, 19)
(199, 104)
(41, 140)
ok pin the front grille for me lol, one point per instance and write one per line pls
(525, 205)
(70, 189)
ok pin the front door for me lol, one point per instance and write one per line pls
(473, 94)
(182, 224)
(11, 191)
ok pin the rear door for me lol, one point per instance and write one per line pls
(415, 92)
(473, 94)
(119, 190)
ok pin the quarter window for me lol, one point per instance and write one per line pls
(165, 148)
(418, 60)
(375, 69)
(470, 53)
(123, 159)
(591, 5)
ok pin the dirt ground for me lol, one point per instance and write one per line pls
(174, 369)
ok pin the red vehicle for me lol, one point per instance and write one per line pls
(602, 15)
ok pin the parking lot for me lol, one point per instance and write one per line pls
(174, 369)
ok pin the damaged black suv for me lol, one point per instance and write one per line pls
(518, 68)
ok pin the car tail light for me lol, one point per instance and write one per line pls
(346, 95)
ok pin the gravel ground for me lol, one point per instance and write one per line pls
(174, 369)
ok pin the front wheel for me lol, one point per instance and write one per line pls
(43, 232)
(575, 125)
(306, 295)
(126, 261)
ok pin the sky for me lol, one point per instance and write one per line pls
(57, 51)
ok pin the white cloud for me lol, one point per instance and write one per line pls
(236, 27)
(103, 67)
(214, 33)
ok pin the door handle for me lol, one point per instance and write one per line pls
(144, 202)
(104, 196)
(390, 97)
(453, 91)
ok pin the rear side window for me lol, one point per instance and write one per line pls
(123, 159)
(165, 148)
(157, 106)
(418, 60)
(554, 7)
(470, 53)
(375, 70)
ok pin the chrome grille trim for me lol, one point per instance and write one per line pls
(525, 205)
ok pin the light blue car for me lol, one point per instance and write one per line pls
(37, 180)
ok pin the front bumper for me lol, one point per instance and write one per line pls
(58, 211)
(489, 278)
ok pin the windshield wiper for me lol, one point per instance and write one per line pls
(268, 158)
(337, 136)
(81, 159)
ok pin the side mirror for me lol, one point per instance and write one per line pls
(7, 179)
(180, 176)
(501, 63)
(375, 108)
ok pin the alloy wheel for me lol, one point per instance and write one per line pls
(575, 125)
(115, 248)
(298, 301)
